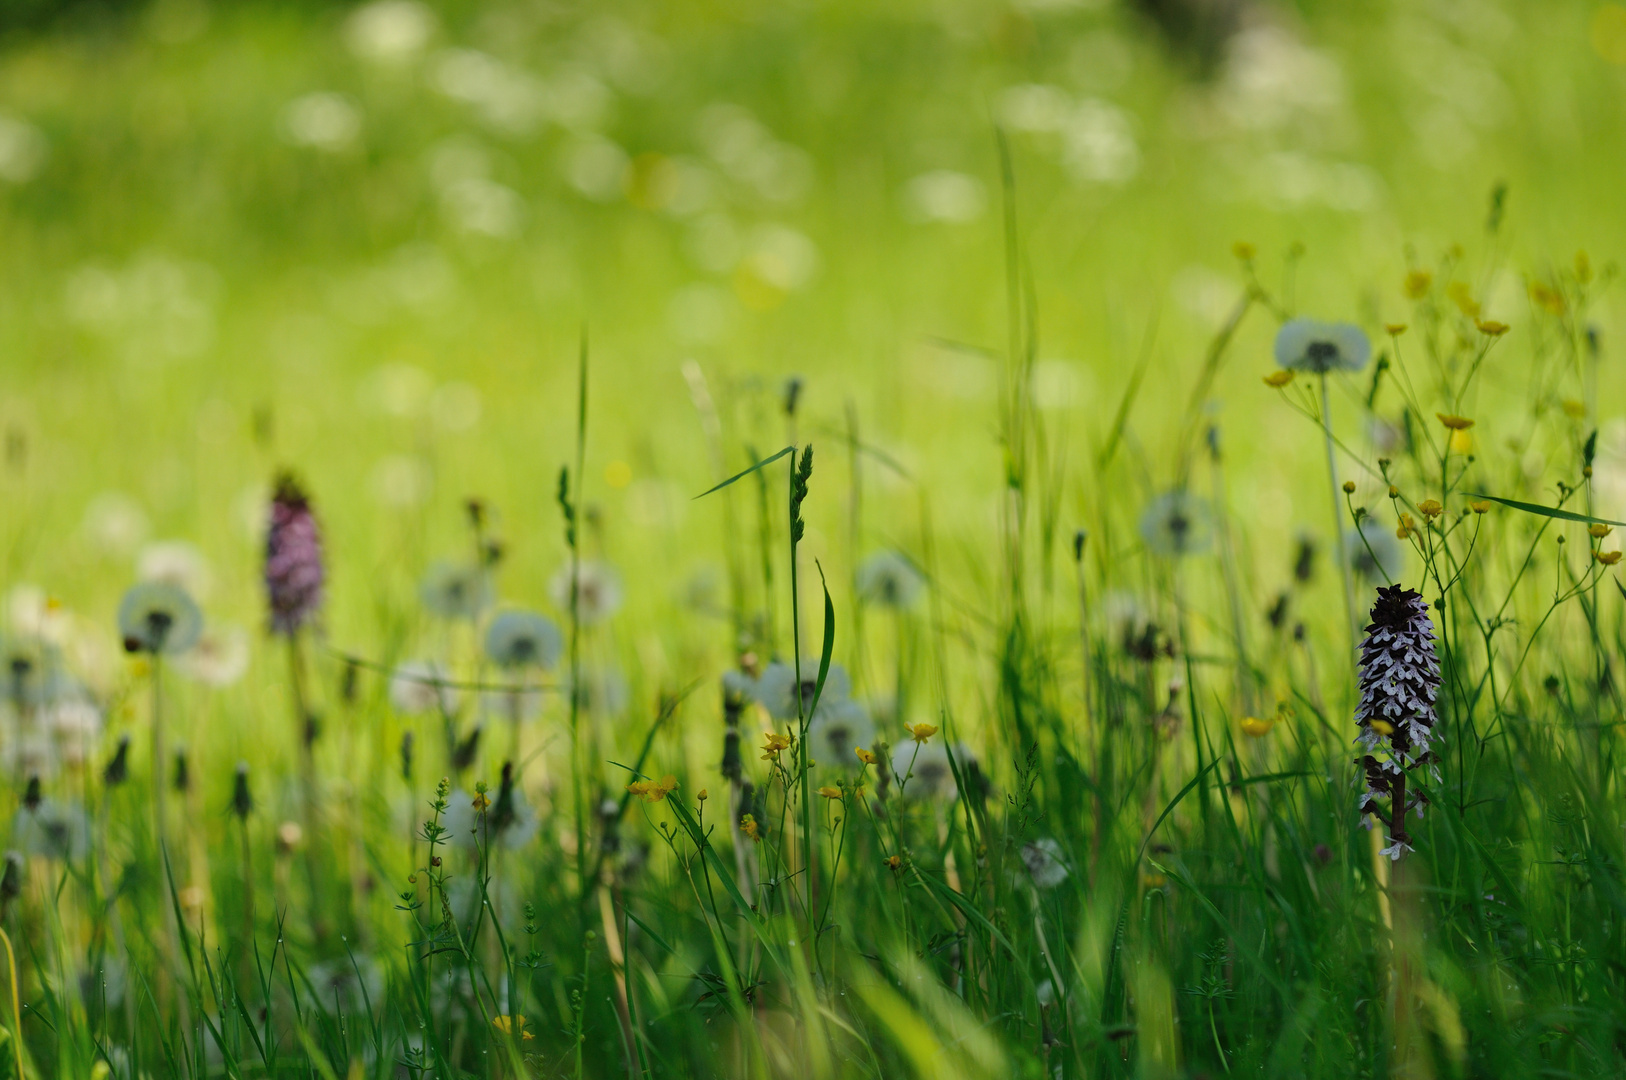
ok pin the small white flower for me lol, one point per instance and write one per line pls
(219, 658)
(177, 562)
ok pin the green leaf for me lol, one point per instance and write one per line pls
(829, 646)
(764, 463)
(1547, 511)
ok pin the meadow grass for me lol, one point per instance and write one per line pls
(633, 708)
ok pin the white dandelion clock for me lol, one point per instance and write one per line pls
(455, 590)
(778, 688)
(835, 732)
(1177, 523)
(598, 591)
(924, 771)
(1317, 347)
(159, 617)
(1045, 862)
(523, 639)
(890, 579)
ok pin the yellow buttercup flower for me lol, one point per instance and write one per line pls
(1464, 299)
(921, 732)
(1599, 531)
(1491, 328)
(1418, 282)
(512, 1025)
(748, 826)
(894, 863)
(1608, 558)
(1394, 329)
(703, 796)
(1244, 250)
(1548, 299)
(1462, 442)
(653, 790)
(774, 743)
(1407, 527)
(865, 756)
(481, 802)
(1480, 506)
(1575, 410)
(830, 792)
(1257, 728)
(1454, 422)
(1430, 508)
(1279, 379)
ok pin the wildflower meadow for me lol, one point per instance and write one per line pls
(965, 539)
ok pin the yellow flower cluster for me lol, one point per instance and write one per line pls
(653, 790)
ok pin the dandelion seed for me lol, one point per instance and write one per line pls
(1318, 348)
(294, 575)
(52, 829)
(1175, 524)
(157, 617)
(889, 579)
(520, 639)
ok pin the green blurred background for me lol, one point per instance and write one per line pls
(365, 240)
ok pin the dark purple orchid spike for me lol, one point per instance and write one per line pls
(1399, 681)
(294, 574)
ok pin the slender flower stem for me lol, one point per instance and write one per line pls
(1338, 522)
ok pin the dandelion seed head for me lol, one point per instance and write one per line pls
(1318, 348)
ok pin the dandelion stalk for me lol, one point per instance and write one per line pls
(1337, 516)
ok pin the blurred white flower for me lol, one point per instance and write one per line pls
(323, 120)
(925, 770)
(597, 168)
(782, 257)
(837, 730)
(522, 639)
(1045, 863)
(75, 723)
(401, 480)
(598, 591)
(1318, 347)
(53, 829)
(890, 579)
(415, 689)
(503, 97)
(454, 590)
(115, 522)
(777, 688)
(944, 195)
(1177, 523)
(483, 206)
(158, 617)
(177, 562)
(389, 31)
(219, 658)
(1098, 143)
(23, 150)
